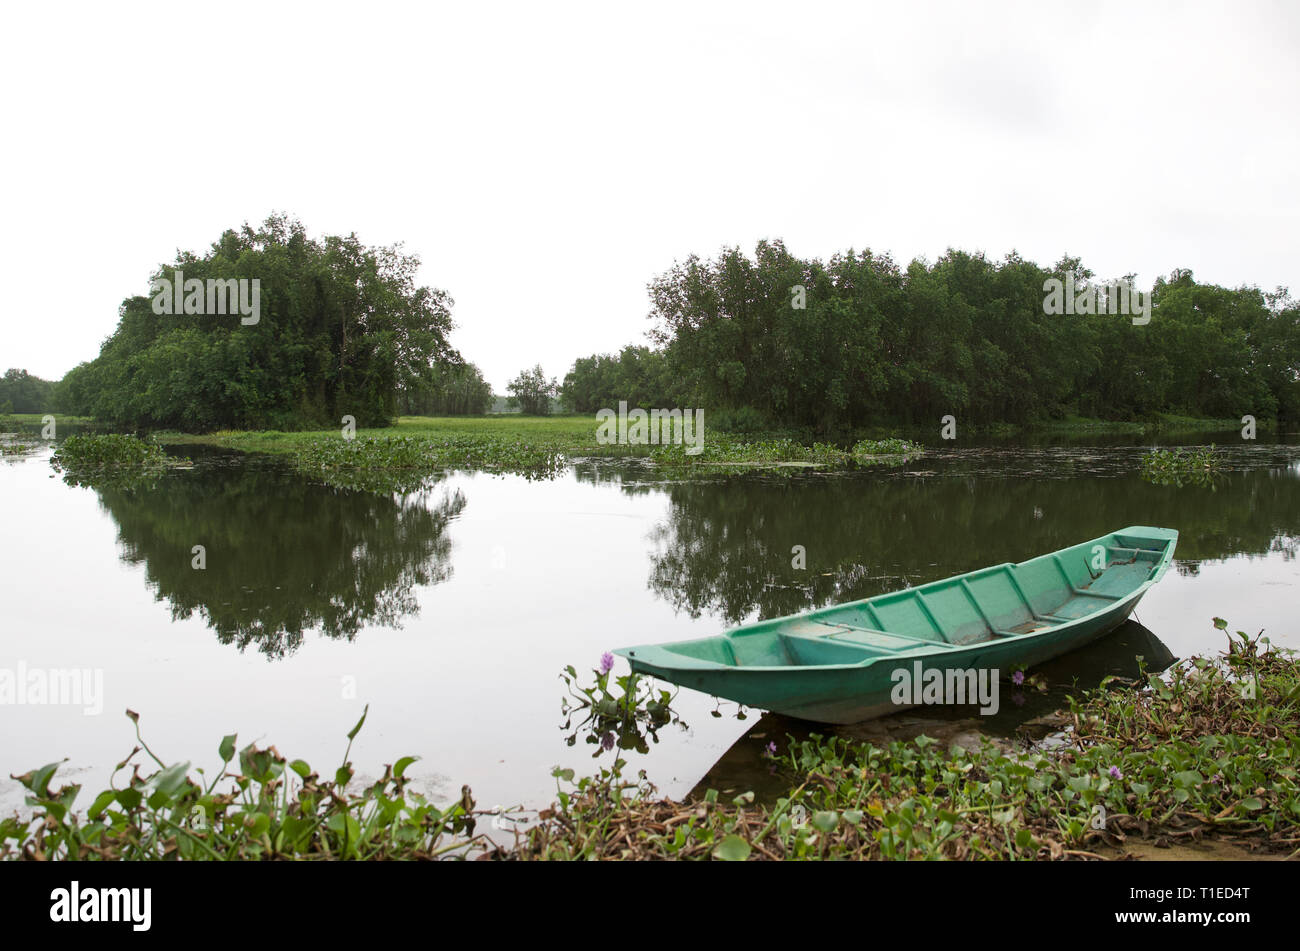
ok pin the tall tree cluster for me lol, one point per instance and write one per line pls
(531, 392)
(20, 392)
(640, 375)
(859, 340)
(342, 329)
(446, 389)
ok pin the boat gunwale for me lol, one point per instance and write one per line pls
(926, 648)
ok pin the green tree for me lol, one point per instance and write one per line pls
(21, 392)
(447, 389)
(638, 375)
(858, 341)
(532, 392)
(342, 328)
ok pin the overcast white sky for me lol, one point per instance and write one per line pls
(546, 160)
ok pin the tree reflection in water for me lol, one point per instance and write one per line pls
(726, 545)
(283, 555)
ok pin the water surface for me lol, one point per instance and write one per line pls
(451, 612)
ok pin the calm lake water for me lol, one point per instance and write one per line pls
(451, 613)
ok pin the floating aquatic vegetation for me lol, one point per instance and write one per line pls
(619, 711)
(1200, 465)
(404, 463)
(783, 453)
(874, 452)
(19, 444)
(111, 460)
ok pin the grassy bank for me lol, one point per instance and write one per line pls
(1160, 423)
(560, 433)
(574, 432)
(37, 419)
(1205, 751)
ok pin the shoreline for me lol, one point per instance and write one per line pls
(1184, 763)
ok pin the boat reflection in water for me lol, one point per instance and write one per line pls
(744, 767)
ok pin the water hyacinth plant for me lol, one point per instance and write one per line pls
(103, 451)
(112, 459)
(1201, 466)
(18, 444)
(259, 805)
(614, 712)
(1209, 750)
(737, 455)
(404, 463)
(874, 452)
(1206, 750)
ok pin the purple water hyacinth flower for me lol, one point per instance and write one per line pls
(1018, 677)
(770, 749)
(1115, 773)
(606, 662)
(1217, 779)
(607, 742)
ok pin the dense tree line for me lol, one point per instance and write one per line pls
(860, 341)
(772, 339)
(446, 389)
(640, 375)
(342, 329)
(20, 392)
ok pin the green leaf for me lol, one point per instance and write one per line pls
(38, 780)
(1251, 804)
(732, 848)
(301, 767)
(102, 802)
(227, 748)
(296, 830)
(352, 734)
(825, 820)
(399, 768)
(171, 780)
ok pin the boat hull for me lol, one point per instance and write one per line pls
(958, 624)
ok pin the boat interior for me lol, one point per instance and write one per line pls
(1003, 601)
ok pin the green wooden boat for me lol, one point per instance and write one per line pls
(837, 664)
